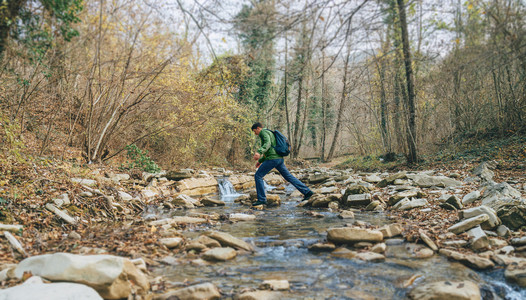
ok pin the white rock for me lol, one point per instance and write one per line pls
(173, 242)
(493, 220)
(468, 224)
(241, 217)
(83, 181)
(415, 203)
(34, 288)
(275, 285)
(458, 290)
(471, 197)
(125, 196)
(62, 200)
(479, 240)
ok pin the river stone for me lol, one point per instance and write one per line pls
(187, 220)
(516, 272)
(389, 180)
(468, 224)
(273, 200)
(520, 241)
(203, 291)
(401, 203)
(399, 196)
(175, 175)
(354, 190)
(503, 231)
(226, 240)
(415, 203)
(423, 252)
(471, 197)
(259, 295)
(241, 217)
(220, 254)
(334, 206)
(373, 178)
(173, 242)
(207, 201)
(329, 190)
(446, 290)
(493, 220)
(388, 231)
(318, 178)
(479, 239)
(320, 200)
(513, 216)
(35, 288)
(198, 186)
(423, 180)
(184, 201)
(275, 285)
(454, 243)
(83, 181)
(322, 247)
(351, 235)
(427, 240)
(346, 214)
(370, 256)
(111, 276)
(455, 201)
(358, 200)
(207, 241)
(379, 248)
(473, 261)
(343, 253)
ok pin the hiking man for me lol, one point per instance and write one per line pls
(267, 159)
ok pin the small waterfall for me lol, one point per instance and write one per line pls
(226, 189)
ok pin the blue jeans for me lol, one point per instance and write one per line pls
(279, 164)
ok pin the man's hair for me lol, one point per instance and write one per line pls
(257, 125)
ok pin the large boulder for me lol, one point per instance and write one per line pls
(111, 276)
(35, 288)
(501, 194)
(198, 186)
(447, 290)
(350, 235)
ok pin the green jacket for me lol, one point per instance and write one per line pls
(268, 141)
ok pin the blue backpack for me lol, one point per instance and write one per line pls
(282, 144)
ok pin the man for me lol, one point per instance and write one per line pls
(267, 159)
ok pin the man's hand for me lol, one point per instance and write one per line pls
(258, 164)
(257, 156)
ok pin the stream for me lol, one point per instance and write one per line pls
(281, 236)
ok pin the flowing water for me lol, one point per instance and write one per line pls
(282, 235)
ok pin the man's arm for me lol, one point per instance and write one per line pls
(266, 141)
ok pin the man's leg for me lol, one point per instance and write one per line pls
(263, 170)
(282, 169)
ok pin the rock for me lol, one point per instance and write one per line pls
(273, 200)
(208, 242)
(503, 231)
(493, 220)
(125, 196)
(447, 206)
(88, 182)
(346, 214)
(259, 295)
(388, 231)
(358, 200)
(117, 178)
(322, 247)
(373, 178)
(500, 195)
(318, 178)
(401, 203)
(423, 180)
(11, 228)
(427, 240)
(207, 201)
(148, 194)
(415, 203)
(173, 242)
(389, 180)
(187, 220)
(516, 272)
(334, 206)
(112, 277)
(354, 190)
(220, 254)
(399, 196)
(479, 240)
(379, 248)
(198, 186)
(519, 241)
(446, 290)
(351, 235)
(62, 214)
(241, 217)
(344, 253)
(226, 240)
(62, 200)
(473, 261)
(184, 201)
(484, 170)
(455, 201)
(319, 200)
(203, 291)
(275, 285)
(74, 236)
(471, 197)
(468, 224)
(373, 205)
(513, 216)
(35, 288)
(497, 243)
(455, 243)
(329, 190)
(370, 256)
(178, 175)
(423, 252)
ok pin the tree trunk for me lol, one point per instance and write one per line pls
(411, 137)
(323, 109)
(298, 119)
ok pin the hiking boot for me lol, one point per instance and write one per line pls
(308, 195)
(258, 203)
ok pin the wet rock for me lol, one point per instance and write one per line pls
(273, 200)
(415, 203)
(493, 220)
(468, 224)
(358, 200)
(513, 216)
(455, 201)
(516, 273)
(334, 206)
(423, 180)
(388, 231)
(424, 252)
(275, 285)
(241, 217)
(479, 239)
(322, 247)
(445, 290)
(370, 256)
(473, 261)
(319, 200)
(379, 248)
(471, 197)
(346, 235)
(208, 242)
(112, 277)
(187, 220)
(390, 180)
(173, 242)
(427, 240)
(346, 214)
(503, 231)
(207, 201)
(219, 254)
(35, 288)
(394, 242)
(399, 196)
(226, 240)
(373, 206)
(203, 291)
(259, 295)
(343, 253)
